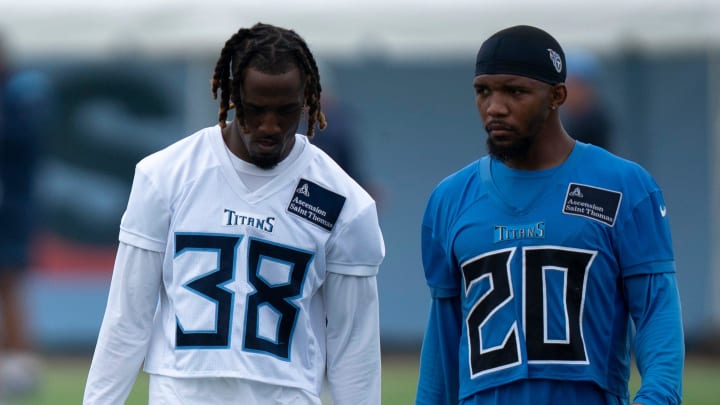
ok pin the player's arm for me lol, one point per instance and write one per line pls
(355, 253)
(438, 378)
(126, 327)
(353, 339)
(659, 343)
(438, 381)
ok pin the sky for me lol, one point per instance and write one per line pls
(399, 28)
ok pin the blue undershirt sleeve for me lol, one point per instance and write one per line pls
(659, 346)
(438, 380)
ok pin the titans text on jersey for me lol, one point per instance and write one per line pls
(232, 218)
(509, 232)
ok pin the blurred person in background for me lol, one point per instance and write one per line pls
(585, 115)
(247, 262)
(24, 104)
(340, 140)
(542, 255)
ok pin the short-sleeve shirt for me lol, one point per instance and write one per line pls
(243, 268)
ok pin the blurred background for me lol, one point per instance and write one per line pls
(124, 79)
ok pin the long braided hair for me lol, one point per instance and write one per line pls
(271, 50)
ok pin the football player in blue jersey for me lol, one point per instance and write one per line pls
(550, 260)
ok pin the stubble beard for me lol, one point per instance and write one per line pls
(265, 162)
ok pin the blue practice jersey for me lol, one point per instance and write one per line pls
(538, 260)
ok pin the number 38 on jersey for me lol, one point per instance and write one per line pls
(270, 295)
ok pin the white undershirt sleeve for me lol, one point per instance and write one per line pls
(353, 339)
(126, 327)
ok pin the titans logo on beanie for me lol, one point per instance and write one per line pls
(524, 51)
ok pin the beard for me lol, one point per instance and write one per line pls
(265, 162)
(268, 159)
(518, 148)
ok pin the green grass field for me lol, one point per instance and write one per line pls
(64, 379)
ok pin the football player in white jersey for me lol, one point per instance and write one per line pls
(246, 265)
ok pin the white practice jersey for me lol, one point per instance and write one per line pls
(242, 272)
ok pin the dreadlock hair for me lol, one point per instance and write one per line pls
(271, 50)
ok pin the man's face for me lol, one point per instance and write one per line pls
(272, 105)
(513, 110)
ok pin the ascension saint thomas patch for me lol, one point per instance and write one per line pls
(316, 204)
(595, 203)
